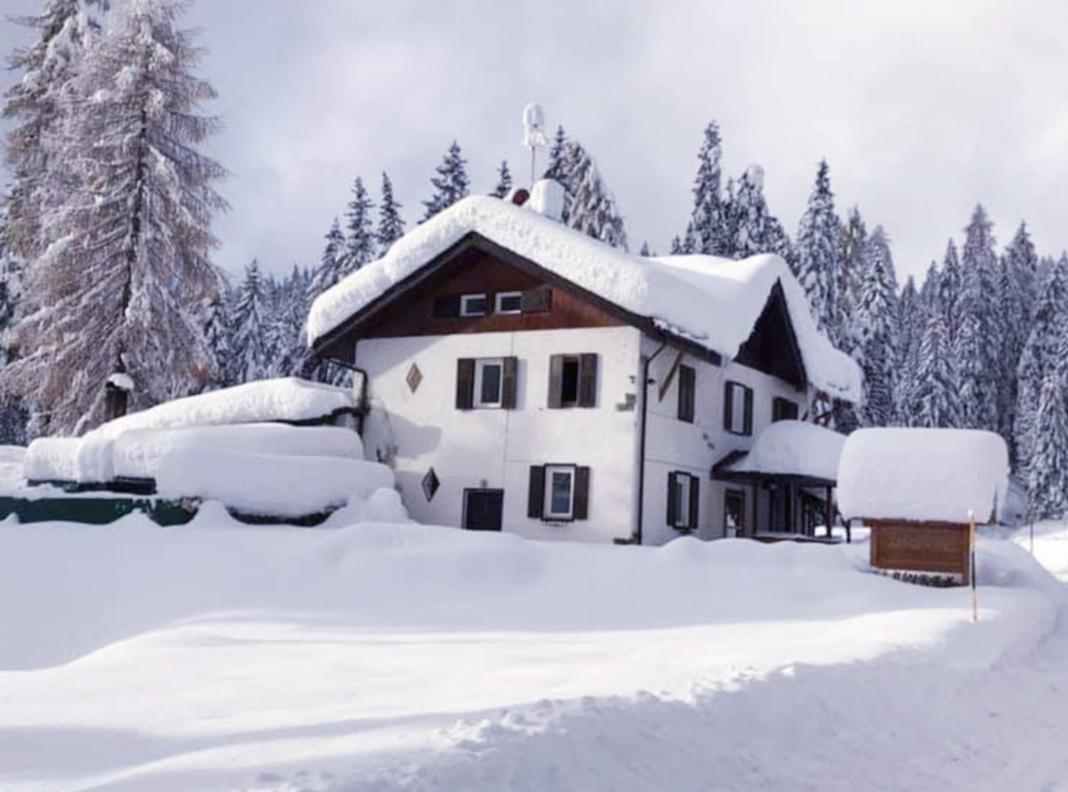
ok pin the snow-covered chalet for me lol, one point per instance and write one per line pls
(521, 376)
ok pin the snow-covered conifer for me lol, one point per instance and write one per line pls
(390, 222)
(949, 286)
(933, 397)
(818, 248)
(751, 228)
(1047, 473)
(504, 180)
(645, 250)
(911, 322)
(285, 331)
(877, 331)
(251, 353)
(450, 184)
(359, 248)
(850, 272)
(707, 230)
(331, 262)
(1038, 357)
(557, 153)
(121, 287)
(592, 208)
(979, 329)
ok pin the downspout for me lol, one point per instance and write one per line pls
(636, 537)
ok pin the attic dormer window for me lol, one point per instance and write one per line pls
(473, 304)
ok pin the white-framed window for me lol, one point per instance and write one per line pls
(683, 499)
(489, 382)
(508, 302)
(559, 492)
(473, 304)
(738, 408)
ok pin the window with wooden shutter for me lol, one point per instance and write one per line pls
(465, 383)
(509, 383)
(783, 409)
(738, 408)
(573, 380)
(537, 300)
(672, 499)
(683, 499)
(536, 493)
(581, 506)
(687, 387)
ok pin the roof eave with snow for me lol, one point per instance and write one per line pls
(709, 303)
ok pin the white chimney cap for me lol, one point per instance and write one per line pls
(547, 198)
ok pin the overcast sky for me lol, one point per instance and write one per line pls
(921, 107)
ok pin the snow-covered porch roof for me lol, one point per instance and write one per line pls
(802, 452)
(700, 301)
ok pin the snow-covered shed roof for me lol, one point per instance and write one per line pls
(929, 475)
(792, 448)
(713, 303)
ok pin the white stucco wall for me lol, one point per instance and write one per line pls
(674, 445)
(495, 448)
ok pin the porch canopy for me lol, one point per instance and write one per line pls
(796, 463)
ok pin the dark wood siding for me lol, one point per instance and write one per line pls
(432, 307)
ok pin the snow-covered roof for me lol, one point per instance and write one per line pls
(937, 475)
(283, 399)
(711, 302)
(793, 448)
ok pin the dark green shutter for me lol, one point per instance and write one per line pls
(465, 383)
(509, 377)
(580, 504)
(672, 505)
(695, 494)
(536, 493)
(748, 422)
(728, 405)
(556, 379)
(587, 386)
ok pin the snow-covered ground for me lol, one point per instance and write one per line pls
(219, 656)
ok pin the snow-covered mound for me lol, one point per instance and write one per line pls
(922, 474)
(269, 484)
(713, 302)
(794, 448)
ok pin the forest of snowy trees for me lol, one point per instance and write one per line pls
(105, 258)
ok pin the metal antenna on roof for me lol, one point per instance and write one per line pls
(533, 133)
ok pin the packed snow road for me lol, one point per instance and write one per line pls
(401, 657)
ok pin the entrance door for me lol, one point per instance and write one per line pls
(483, 509)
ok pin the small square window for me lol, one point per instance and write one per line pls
(430, 484)
(473, 305)
(415, 376)
(508, 302)
(559, 492)
(489, 375)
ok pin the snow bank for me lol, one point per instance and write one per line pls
(922, 474)
(139, 452)
(794, 448)
(269, 484)
(713, 302)
(285, 399)
(83, 459)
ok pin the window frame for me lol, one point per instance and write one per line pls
(481, 364)
(547, 510)
(466, 298)
(500, 296)
(681, 494)
(681, 490)
(746, 417)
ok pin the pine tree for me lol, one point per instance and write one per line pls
(121, 287)
(1023, 266)
(1038, 357)
(451, 183)
(1047, 475)
(751, 228)
(359, 247)
(390, 223)
(331, 262)
(707, 229)
(285, 331)
(933, 398)
(645, 250)
(911, 322)
(504, 181)
(979, 330)
(13, 413)
(592, 208)
(251, 353)
(39, 104)
(676, 248)
(557, 153)
(818, 249)
(948, 294)
(877, 331)
(850, 275)
(217, 330)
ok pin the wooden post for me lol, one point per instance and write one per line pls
(971, 566)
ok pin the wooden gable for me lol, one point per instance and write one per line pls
(475, 265)
(772, 346)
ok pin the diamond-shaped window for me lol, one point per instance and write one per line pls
(415, 376)
(430, 484)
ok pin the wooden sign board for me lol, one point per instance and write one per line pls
(921, 547)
